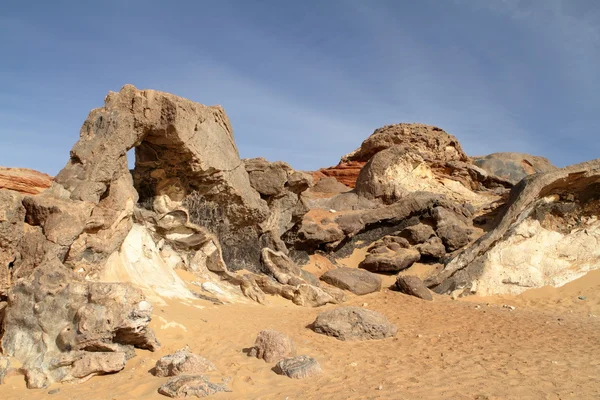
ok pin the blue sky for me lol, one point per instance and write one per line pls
(306, 82)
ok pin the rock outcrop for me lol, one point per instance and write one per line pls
(23, 180)
(513, 166)
(548, 235)
(182, 149)
(56, 324)
(346, 172)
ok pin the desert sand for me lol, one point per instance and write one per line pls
(547, 347)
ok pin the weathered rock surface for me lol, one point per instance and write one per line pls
(354, 323)
(72, 318)
(413, 286)
(84, 365)
(272, 346)
(355, 280)
(386, 259)
(298, 367)
(345, 172)
(191, 385)
(4, 366)
(182, 362)
(307, 295)
(513, 166)
(429, 141)
(23, 180)
(547, 235)
(12, 214)
(182, 148)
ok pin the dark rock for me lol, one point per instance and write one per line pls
(413, 286)
(453, 229)
(417, 234)
(434, 248)
(357, 281)
(353, 323)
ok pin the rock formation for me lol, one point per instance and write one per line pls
(513, 166)
(23, 180)
(547, 235)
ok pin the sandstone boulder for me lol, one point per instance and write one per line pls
(182, 362)
(355, 280)
(354, 323)
(272, 346)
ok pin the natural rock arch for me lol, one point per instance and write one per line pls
(182, 148)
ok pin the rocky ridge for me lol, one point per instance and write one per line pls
(102, 243)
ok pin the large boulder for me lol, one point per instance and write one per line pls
(513, 166)
(23, 180)
(547, 235)
(354, 323)
(184, 386)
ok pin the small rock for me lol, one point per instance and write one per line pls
(581, 297)
(511, 308)
(413, 286)
(272, 346)
(298, 367)
(190, 385)
(54, 391)
(182, 362)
